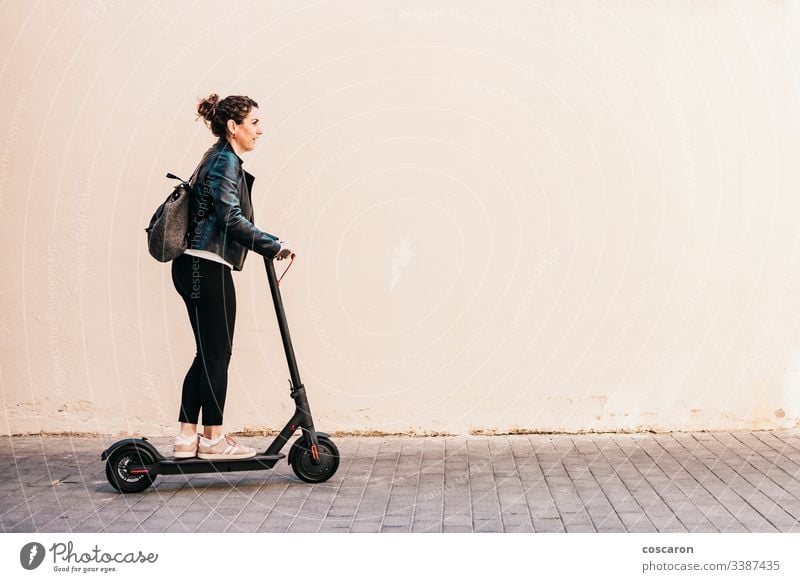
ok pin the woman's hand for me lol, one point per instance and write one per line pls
(285, 252)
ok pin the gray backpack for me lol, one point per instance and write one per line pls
(168, 232)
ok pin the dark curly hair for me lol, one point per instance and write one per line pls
(216, 113)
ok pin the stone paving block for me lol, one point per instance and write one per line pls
(482, 485)
(569, 508)
(312, 508)
(304, 527)
(122, 525)
(367, 510)
(576, 518)
(458, 520)
(515, 509)
(404, 514)
(544, 513)
(611, 527)
(56, 526)
(516, 519)
(158, 521)
(519, 528)
(488, 525)
(398, 502)
(336, 504)
(397, 520)
(274, 527)
(548, 525)
(87, 526)
(430, 499)
(451, 507)
(366, 527)
(327, 527)
(426, 527)
(456, 528)
(482, 514)
(341, 513)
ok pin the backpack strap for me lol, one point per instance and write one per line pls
(172, 176)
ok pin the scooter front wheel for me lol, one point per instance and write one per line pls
(303, 463)
(118, 474)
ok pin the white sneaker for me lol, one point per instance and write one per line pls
(185, 446)
(223, 447)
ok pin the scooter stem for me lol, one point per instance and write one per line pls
(282, 325)
(302, 416)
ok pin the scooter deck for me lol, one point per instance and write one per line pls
(172, 466)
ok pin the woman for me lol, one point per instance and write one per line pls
(222, 231)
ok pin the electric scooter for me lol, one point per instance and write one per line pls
(133, 464)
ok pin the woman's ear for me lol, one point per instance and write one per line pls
(231, 126)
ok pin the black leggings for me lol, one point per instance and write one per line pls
(206, 288)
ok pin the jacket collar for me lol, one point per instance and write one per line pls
(223, 143)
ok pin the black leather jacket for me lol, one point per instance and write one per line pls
(221, 212)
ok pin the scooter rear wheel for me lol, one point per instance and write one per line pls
(117, 469)
(303, 463)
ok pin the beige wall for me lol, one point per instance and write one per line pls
(509, 216)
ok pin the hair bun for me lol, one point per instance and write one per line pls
(207, 107)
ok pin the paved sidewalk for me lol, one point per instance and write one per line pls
(680, 482)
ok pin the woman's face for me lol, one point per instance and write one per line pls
(243, 135)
